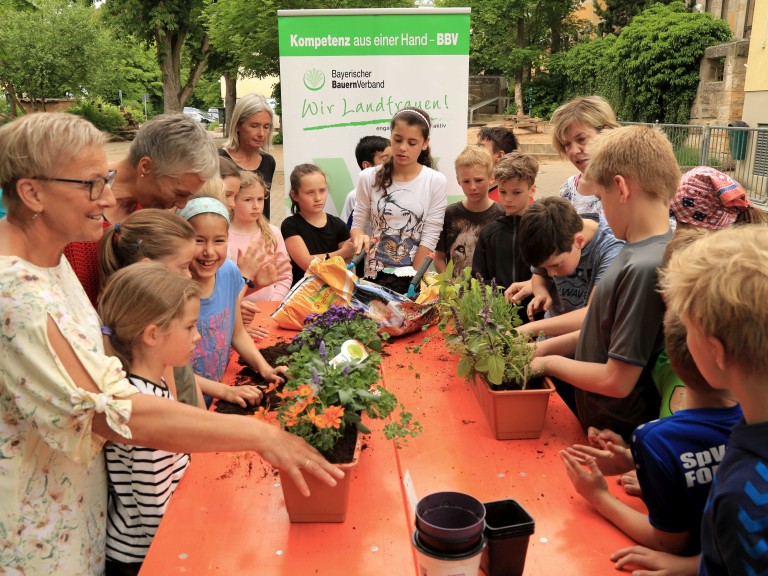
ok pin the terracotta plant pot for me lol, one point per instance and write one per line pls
(325, 503)
(514, 414)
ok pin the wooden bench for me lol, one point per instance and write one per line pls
(522, 121)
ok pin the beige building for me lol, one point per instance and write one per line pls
(739, 14)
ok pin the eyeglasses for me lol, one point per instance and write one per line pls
(95, 186)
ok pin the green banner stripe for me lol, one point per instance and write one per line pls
(367, 35)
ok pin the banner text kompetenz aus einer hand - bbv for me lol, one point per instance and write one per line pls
(345, 73)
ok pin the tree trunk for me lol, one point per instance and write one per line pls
(230, 99)
(169, 47)
(519, 71)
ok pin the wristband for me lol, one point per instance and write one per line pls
(249, 282)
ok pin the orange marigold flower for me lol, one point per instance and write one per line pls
(334, 414)
(268, 416)
(272, 386)
(287, 394)
(320, 421)
(305, 390)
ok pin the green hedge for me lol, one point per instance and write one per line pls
(104, 116)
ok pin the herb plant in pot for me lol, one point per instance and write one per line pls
(334, 383)
(479, 326)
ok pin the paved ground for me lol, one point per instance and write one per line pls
(551, 176)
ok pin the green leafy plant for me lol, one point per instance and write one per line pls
(104, 116)
(479, 326)
(322, 398)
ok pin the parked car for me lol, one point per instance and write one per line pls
(197, 115)
(214, 114)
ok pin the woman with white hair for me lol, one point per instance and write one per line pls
(250, 134)
(170, 159)
(61, 397)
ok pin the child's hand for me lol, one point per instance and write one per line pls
(254, 261)
(539, 303)
(600, 438)
(630, 484)
(362, 242)
(257, 332)
(347, 250)
(275, 374)
(518, 291)
(248, 311)
(589, 482)
(242, 395)
(612, 460)
(643, 561)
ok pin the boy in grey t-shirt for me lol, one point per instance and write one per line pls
(634, 173)
(567, 250)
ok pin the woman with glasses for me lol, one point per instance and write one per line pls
(170, 159)
(61, 397)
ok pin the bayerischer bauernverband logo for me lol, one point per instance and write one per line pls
(314, 79)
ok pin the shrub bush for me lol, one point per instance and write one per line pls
(106, 117)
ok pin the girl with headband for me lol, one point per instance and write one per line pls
(403, 202)
(221, 285)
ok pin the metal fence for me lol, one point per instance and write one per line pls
(740, 152)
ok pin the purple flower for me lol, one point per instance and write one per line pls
(315, 377)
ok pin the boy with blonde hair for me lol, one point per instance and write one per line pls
(633, 171)
(718, 286)
(464, 220)
(497, 254)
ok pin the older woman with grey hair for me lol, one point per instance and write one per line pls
(61, 397)
(250, 134)
(170, 159)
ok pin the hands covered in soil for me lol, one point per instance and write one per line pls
(242, 395)
(294, 457)
(275, 374)
(643, 561)
(608, 450)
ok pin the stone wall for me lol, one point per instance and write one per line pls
(720, 96)
(51, 104)
(486, 87)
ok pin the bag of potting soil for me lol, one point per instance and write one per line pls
(329, 283)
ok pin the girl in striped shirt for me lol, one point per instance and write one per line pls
(149, 315)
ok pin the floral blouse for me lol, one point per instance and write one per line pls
(52, 473)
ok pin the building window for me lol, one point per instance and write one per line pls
(760, 167)
(716, 72)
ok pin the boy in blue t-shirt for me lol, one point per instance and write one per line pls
(718, 286)
(675, 457)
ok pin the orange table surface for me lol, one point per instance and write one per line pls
(228, 515)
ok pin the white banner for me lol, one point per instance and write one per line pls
(345, 73)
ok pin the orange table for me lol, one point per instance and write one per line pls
(228, 515)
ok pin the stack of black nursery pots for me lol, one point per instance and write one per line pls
(457, 535)
(449, 537)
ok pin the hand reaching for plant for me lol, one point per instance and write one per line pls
(643, 561)
(275, 374)
(294, 457)
(242, 395)
(518, 291)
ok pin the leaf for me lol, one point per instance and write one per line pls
(496, 369)
(464, 367)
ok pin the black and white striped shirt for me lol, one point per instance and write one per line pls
(141, 482)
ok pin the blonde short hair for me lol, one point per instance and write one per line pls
(641, 154)
(37, 145)
(591, 111)
(474, 156)
(720, 283)
(246, 107)
(518, 167)
(213, 188)
(176, 145)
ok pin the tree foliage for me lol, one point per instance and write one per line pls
(57, 50)
(650, 71)
(616, 14)
(178, 33)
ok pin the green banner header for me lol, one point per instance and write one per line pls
(374, 34)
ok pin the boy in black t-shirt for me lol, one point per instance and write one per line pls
(464, 220)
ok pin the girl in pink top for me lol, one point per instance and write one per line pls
(249, 226)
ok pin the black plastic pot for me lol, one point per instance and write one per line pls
(508, 529)
(450, 521)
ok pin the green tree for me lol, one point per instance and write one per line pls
(615, 14)
(57, 50)
(177, 31)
